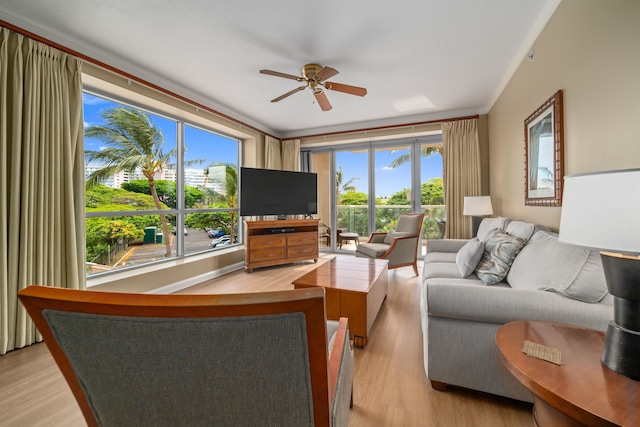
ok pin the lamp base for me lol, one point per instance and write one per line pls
(475, 225)
(622, 342)
(621, 350)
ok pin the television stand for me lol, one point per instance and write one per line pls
(264, 246)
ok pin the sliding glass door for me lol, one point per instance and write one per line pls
(364, 187)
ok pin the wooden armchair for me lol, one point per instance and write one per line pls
(223, 360)
(400, 246)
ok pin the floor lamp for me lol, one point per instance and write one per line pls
(477, 207)
(602, 210)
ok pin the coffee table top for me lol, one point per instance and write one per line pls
(582, 387)
(345, 273)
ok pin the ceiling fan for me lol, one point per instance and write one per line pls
(314, 76)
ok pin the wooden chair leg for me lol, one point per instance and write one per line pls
(415, 267)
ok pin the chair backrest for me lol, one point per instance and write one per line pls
(168, 360)
(410, 223)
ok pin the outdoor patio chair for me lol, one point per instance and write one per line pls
(399, 246)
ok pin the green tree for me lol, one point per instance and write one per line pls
(133, 143)
(166, 192)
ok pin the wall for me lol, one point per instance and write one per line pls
(590, 50)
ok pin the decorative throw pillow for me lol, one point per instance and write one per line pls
(388, 239)
(489, 224)
(499, 252)
(469, 255)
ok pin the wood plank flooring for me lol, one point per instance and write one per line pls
(390, 386)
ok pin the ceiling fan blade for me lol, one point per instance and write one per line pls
(279, 74)
(325, 73)
(291, 92)
(322, 99)
(352, 90)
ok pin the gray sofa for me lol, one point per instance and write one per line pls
(545, 280)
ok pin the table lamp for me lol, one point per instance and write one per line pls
(477, 207)
(602, 210)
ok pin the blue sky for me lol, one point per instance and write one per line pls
(213, 149)
(200, 145)
(388, 180)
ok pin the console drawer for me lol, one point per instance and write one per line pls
(267, 254)
(297, 239)
(310, 251)
(259, 242)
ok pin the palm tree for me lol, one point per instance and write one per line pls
(132, 143)
(425, 151)
(340, 187)
(231, 195)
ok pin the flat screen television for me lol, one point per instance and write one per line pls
(277, 192)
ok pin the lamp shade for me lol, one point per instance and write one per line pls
(477, 206)
(602, 210)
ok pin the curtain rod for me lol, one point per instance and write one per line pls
(404, 125)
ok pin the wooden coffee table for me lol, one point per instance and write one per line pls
(582, 391)
(354, 288)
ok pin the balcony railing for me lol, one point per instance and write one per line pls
(355, 219)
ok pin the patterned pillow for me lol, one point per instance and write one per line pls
(499, 252)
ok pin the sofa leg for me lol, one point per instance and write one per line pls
(437, 385)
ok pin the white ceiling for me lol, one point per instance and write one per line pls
(419, 59)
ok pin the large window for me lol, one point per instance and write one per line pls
(157, 188)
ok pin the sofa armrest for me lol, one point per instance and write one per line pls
(445, 245)
(492, 304)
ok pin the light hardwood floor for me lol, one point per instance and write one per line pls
(390, 386)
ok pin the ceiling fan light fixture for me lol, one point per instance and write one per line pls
(315, 75)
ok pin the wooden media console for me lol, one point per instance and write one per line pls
(276, 242)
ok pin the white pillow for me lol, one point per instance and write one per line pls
(469, 256)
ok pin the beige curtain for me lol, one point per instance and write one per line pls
(291, 155)
(41, 177)
(272, 153)
(462, 173)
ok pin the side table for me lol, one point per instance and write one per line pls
(581, 391)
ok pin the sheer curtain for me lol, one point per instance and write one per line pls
(41, 177)
(462, 173)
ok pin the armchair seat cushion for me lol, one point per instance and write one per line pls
(372, 250)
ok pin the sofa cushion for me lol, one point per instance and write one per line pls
(388, 239)
(440, 270)
(489, 224)
(440, 257)
(499, 252)
(524, 230)
(468, 257)
(550, 265)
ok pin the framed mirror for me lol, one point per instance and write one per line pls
(543, 144)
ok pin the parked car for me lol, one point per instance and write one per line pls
(221, 241)
(215, 233)
(186, 232)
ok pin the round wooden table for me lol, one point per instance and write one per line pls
(581, 391)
